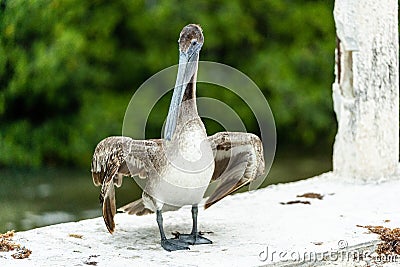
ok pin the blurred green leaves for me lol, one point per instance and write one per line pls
(68, 68)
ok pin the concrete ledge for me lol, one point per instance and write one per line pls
(248, 229)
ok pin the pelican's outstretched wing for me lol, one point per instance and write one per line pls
(115, 157)
(239, 159)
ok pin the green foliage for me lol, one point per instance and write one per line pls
(68, 68)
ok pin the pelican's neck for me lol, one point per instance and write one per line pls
(189, 97)
(186, 110)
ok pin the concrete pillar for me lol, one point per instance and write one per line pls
(366, 89)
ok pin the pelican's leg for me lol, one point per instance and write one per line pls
(194, 238)
(169, 244)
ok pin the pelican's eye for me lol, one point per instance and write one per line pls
(194, 42)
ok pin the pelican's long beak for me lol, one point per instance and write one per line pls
(188, 62)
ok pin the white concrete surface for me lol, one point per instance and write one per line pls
(243, 226)
(366, 89)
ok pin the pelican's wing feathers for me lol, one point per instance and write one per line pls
(239, 159)
(115, 157)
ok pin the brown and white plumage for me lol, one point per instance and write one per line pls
(176, 170)
(239, 159)
(115, 157)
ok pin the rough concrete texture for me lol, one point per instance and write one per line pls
(366, 88)
(248, 229)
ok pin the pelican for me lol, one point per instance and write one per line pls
(178, 168)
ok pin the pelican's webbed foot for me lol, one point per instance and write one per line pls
(192, 239)
(169, 244)
(174, 244)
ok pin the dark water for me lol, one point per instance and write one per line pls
(30, 199)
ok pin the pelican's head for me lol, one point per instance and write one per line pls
(190, 42)
(191, 39)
